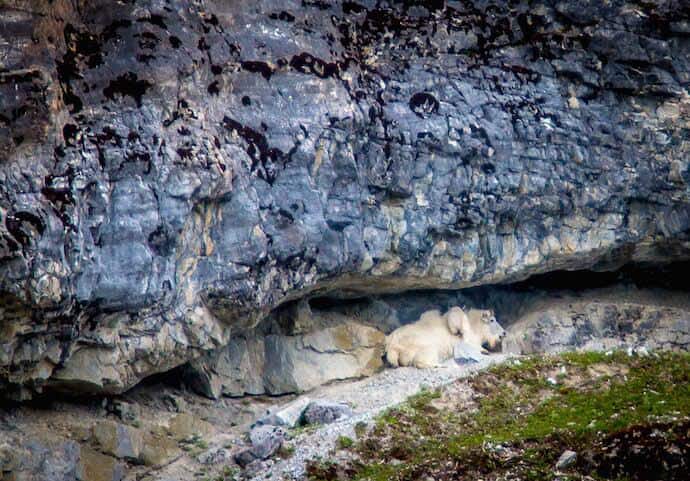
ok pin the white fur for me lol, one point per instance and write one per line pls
(430, 341)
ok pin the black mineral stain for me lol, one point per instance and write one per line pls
(23, 226)
(284, 16)
(213, 88)
(307, 63)
(157, 20)
(258, 67)
(127, 85)
(263, 157)
(423, 104)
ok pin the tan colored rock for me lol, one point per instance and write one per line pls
(159, 450)
(300, 363)
(279, 364)
(118, 440)
(185, 426)
(95, 466)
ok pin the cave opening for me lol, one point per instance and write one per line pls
(508, 300)
(673, 276)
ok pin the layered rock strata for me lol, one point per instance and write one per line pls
(172, 171)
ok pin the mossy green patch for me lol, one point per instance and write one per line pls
(344, 442)
(531, 409)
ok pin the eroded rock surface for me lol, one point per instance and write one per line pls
(600, 320)
(314, 348)
(171, 171)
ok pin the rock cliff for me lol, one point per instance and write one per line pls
(172, 171)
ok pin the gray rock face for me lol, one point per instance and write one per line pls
(172, 171)
(603, 319)
(336, 349)
(38, 460)
(57, 460)
(118, 440)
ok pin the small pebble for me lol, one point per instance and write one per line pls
(566, 460)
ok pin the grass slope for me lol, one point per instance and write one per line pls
(627, 417)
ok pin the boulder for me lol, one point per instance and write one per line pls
(95, 466)
(288, 415)
(325, 412)
(119, 440)
(281, 364)
(185, 426)
(300, 363)
(567, 459)
(159, 450)
(465, 353)
(265, 441)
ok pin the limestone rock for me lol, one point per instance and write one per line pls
(279, 364)
(265, 441)
(185, 426)
(603, 320)
(159, 450)
(235, 370)
(39, 460)
(566, 459)
(465, 353)
(288, 415)
(124, 442)
(298, 364)
(96, 466)
(127, 411)
(173, 172)
(325, 412)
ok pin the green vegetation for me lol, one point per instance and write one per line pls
(193, 443)
(518, 417)
(343, 442)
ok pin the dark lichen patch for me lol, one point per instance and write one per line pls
(264, 158)
(127, 85)
(626, 417)
(283, 15)
(262, 68)
(423, 104)
(307, 63)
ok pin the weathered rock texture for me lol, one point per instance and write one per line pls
(170, 171)
(602, 319)
(538, 320)
(280, 364)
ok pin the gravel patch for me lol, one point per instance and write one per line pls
(367, 397)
